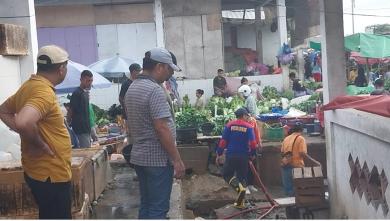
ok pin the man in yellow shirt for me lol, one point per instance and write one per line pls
(33, 112)
(294, 152)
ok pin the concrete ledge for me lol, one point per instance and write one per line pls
(176, 202)
(194, 157)
(371, 124)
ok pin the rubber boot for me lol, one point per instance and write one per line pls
(240, 189)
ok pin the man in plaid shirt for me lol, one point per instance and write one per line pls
(154, 152)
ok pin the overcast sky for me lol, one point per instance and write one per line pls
(371, 7)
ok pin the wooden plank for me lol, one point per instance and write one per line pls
(309, 201)
(297, 173)
(317, 172)
(308, 182)
(286, 201)
(307, 172)
(317, 191)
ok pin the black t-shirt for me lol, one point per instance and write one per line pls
(125, 86)
(79, 104)
(297, 86)
(219, 82)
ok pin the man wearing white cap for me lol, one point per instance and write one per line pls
(250, 101)
(33, 112)
(154, 151)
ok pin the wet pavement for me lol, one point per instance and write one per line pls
(120, 200)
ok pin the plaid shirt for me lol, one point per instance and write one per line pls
(145, 101)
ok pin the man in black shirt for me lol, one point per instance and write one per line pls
(79, 110)
(134, 69)
(219, 84)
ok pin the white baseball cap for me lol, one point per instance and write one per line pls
(245, 90)
(52, 54)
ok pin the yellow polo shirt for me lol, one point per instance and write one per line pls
(299, 147)
(39, 93)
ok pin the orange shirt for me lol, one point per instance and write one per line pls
(299, 147)
(38, 92)
(255, 130)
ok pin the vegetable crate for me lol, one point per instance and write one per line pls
(309, 186)
(273, 134)
(100, 171)
(16, 199)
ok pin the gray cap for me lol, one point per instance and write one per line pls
(162, 55)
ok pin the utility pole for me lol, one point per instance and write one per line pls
(353, 17)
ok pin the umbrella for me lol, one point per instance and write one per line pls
(112, 67)
(72, 79)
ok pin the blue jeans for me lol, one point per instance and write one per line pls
(155, 185)
(287, 180)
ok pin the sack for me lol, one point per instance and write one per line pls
(287, 156)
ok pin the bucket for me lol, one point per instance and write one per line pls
(317, 127)
(186, 135)
(207, 129)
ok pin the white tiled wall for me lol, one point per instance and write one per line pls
(9, 76)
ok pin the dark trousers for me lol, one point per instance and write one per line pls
(53, 199)
(155, 184)
(236, 166)
(251, 176)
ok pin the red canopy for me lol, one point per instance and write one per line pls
(373, 104)
(361, 60)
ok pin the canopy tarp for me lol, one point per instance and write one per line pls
(315, 45)
(368, 45)
(373, 104)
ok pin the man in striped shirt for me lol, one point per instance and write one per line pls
(154, 151)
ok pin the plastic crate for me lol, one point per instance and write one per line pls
(274, 134)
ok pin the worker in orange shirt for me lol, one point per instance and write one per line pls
(294, 152)
(250, 179)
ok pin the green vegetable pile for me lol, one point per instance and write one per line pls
(306, 106)
(289, 94)
(102, 117)
(270, 93)
(220, 122)
(219, 101)
(192, 118)
(363, 92)
(387, 84)
(312, 85)
(272, 98)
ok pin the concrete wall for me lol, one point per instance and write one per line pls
(78, 15)
(246, 38)
(193, 32)
(16, 69)
(364, 136)
(21, 12)
(9, 76)
(271, 45)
